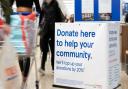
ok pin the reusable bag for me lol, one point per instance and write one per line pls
(23, 32)
(10, 74)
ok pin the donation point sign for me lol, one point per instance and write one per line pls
(87, 55)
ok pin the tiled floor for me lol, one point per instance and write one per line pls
(46, 81)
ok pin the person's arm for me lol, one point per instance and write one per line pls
(42, 13)
(59, 14)
(37, 4)
(6, 9)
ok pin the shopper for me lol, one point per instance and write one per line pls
(4, 25)
(25, 6)
(50, 14)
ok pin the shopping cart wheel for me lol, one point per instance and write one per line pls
(37, 84)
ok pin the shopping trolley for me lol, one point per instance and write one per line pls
(24, 39)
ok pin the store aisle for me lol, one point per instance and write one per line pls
(46, 81)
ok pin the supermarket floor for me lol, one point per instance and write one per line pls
(46, 81)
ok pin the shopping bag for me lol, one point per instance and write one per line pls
(16, 34)
(23, 32)
(10, 75)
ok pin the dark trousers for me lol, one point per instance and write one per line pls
(24, 63)
(46, 41)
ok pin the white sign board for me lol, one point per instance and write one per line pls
(87, 55)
